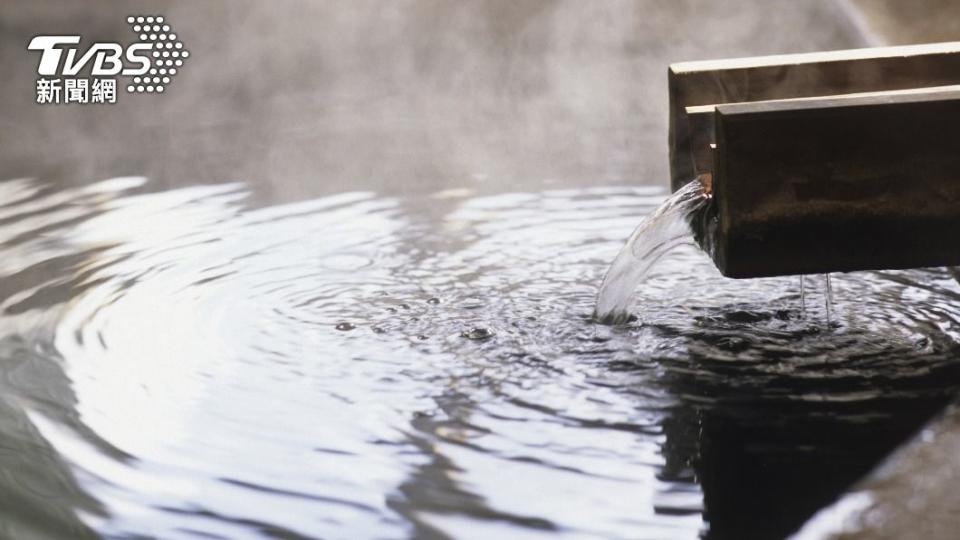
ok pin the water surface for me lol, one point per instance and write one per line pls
(189, 364)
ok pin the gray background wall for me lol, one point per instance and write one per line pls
(301, 98)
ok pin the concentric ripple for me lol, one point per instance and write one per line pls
(190, 364)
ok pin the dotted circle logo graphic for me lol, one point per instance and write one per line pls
(166, 58)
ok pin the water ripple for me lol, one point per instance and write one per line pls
(194, 364)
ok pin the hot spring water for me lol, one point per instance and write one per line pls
(199, 361)
(668, 227)
(659, 233)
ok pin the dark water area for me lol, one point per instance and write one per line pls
(188, 364)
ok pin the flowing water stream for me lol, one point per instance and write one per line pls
(187, 363)
(660, 232)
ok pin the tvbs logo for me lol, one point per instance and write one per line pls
(106, 57)
(152, 62)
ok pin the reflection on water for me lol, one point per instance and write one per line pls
(183, 364)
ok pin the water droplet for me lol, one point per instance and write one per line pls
(345, 326)
(433, 301)
(472, 303)
(477, 334)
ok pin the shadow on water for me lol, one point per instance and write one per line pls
(427, 367)
(39, 494)
(768, 454)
